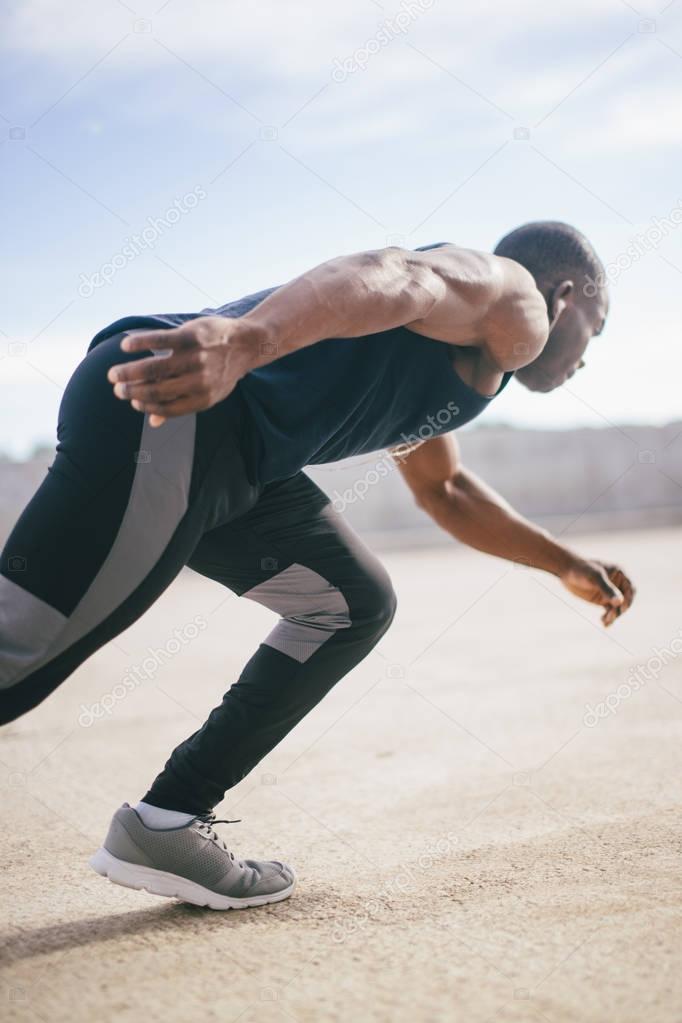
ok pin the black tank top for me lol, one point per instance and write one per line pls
(341, 396)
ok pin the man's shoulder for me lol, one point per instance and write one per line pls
(517, 326)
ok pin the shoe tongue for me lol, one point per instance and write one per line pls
(206, 829)
(206, 818)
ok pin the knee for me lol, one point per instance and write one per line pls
(377, 607)
(388, 606)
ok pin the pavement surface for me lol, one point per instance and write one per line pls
(485, 816)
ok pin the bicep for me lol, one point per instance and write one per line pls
(430, 466)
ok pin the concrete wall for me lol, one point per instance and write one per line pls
(18, 482)
(570, 481)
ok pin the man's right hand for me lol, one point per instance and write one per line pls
(598, 583)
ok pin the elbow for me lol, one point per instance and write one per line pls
(379, 272)
(392, 268)
(433, 499)
(413, 276)
(407, 288)
(389, 259)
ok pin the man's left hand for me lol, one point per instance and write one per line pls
(200, 364)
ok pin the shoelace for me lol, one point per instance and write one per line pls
(205, 823)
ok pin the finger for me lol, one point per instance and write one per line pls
(614, 613)
(152, 369)
(158, 391)
(628, 593)
(618, 578)
(624, 585)
(611, 613)
(609, 592)
(178, 338)
(181, 406)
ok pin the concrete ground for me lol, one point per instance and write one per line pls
(486, 816)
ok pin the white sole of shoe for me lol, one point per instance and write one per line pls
(172, 886)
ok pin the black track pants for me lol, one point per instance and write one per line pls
(122, 509)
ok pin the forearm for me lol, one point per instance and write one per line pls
(346, 297)
(473, 513)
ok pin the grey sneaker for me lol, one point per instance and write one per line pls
(191, 863)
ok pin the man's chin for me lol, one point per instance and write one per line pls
(538, 386)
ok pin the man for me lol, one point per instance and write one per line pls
(195, 456)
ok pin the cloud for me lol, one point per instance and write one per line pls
(646, 116)
(295, 37)
(451, 63)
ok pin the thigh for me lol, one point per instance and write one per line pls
(114, 494)
(294, 553)
(118, 514)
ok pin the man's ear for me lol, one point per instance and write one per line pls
(559, 297)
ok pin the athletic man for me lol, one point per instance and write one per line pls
(194, 457)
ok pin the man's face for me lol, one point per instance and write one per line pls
(578, 322)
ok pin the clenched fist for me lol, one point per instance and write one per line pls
(602, 584)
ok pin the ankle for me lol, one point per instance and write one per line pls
(159, 818)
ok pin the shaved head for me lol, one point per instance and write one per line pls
(552, 251)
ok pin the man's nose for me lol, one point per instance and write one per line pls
(581, 364)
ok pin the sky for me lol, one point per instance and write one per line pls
(169, 156)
